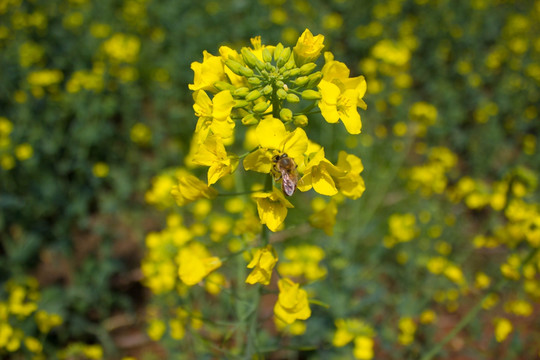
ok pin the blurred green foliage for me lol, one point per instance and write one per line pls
(94, 103)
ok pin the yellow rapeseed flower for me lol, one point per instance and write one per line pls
(24, 151)
(363, 348)
(190, 188)
(263, 263)
(212, 153)
(292, 302)
(308, 48)
(503, 327)
(207, 73)
(195, 263)
(100, 169)
(122, 48)
(272, 208)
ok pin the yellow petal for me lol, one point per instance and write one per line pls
(260, 160)
(323, 182)
(223, 103)
(203, 104)
(271, 132)
(295, 145)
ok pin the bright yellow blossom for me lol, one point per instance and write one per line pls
(292, 302)
(263, 263)
(336, 105)
(274, 139)
(338, 74)
(214, 114)
(207, 73)
(212, 153)
(319, 174)
(190, 188)
(272, 208)
(308, 47)
(350, 183)
(195, 263)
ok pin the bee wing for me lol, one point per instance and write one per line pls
(288, 184)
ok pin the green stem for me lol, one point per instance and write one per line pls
(251, 346)
(475, 310)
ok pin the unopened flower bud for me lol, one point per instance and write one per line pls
(240, 104)
(314, 79)
(301, 120)
(284, 57)
(267, 55)
(301, 81)
(267, 90)
(241, 91)
(292, 98)
(281, 93)
(249, 120)
(222, 85)
(311, 95)
(286, 114)
(290, 64)
(254, 80)
(261, 107)
(253, 95)
(234, 65)
(245, 71)
(306, 69)
(277, 51)
(294, 72)
(251, 60)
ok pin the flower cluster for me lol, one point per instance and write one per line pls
(268, 94)
(271, 91)
(254, 109)
(23, 325)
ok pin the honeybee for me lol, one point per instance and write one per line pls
(286, 167)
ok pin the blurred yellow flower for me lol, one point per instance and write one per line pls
(195, 263)
(263, 263)
(325, 218)
(363, 348)
(100, 169)
(407, 328)
(122, 48)
(47, 77)
(303, 260)
(190, 188)
(140, 134)
(7, 161)
(503, 328)
(156, 329)
(24, 151)
(292, 302)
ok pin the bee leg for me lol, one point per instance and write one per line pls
(276, 174)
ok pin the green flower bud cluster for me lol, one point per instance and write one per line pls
(271, 76)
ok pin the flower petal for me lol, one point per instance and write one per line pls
(271, 132)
